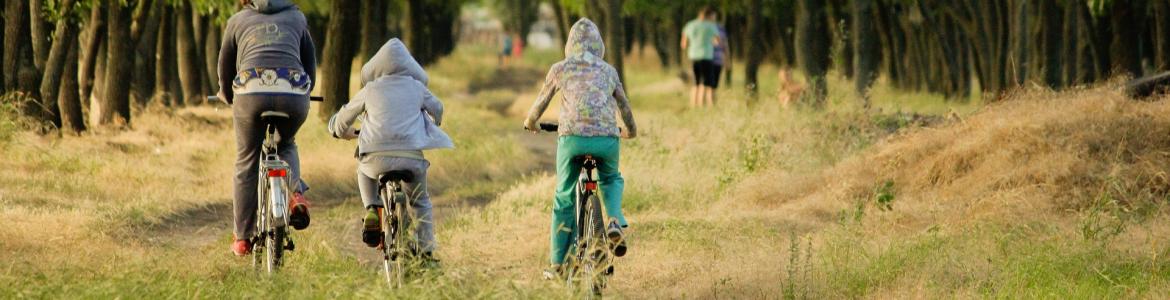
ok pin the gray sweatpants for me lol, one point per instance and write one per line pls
(246, 112)
(370, 166)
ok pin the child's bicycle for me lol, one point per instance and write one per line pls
(591, 263)
(273, 189)
(396, 221)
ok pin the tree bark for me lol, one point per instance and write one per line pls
(164, 60)
(211, 57)
(812, 38)
(865, 52)
(68, 99)
(1050, 28)
(63, 40)
(1022, 43)
(145, 34)
(615, 32)
(1161, 33)
(373, 27)
(338, 59)
(116, 103)
(94, 29)
(38, 27)
(755, 52)
(1127, 30)
(16, 38)
(190, 73)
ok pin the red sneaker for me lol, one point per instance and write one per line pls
(299, 219)
(241, 247)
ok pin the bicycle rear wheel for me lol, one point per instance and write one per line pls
(274, 244)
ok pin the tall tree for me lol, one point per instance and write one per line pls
(755, 30)
(615, 31)
(165, 60)
(115, 107)
(1021, 42)
(39, 29)
(90, 48)
(812, 38)
(190, 66)
(338, 57)
(63, 41)
(67, 99)
(865, 51)
(1051, 28)
(16, 40)
(373, 27)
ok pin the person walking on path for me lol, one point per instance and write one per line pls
(699, 38)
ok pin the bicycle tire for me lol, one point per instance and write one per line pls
(259, 254)
(596, 257)
(392, 239)
(275, 245)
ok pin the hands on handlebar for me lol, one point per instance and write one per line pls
(554, 127)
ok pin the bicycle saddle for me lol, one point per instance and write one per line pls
(396, 175)
(269, 116)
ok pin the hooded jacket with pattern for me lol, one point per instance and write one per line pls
(591, 91)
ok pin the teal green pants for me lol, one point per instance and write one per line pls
(606, 151)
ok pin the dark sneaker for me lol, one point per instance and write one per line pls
(615, 239)
(429, 261)
(299, 219)
(372, 228)
(241, 247)
(554, 272)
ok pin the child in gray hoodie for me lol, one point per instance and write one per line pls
(400, 118)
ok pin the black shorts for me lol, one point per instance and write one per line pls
(716, 73)
(706, 72)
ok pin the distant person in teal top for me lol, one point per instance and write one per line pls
(699, 38)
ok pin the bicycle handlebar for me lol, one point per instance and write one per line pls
(311, 98)
(550, 127)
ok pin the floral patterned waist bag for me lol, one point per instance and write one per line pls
(271, 81)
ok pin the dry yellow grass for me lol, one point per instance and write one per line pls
(1042, 195)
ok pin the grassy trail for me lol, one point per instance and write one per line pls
(1042, 196)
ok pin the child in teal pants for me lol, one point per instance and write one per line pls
(592, 97)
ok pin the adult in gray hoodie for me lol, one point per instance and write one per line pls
(266, 63)
(400, 118)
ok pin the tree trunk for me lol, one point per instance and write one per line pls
(16, 38)
(71, 115)
(164, 60)
(615, 32)
(211, 58)
(1071, 39)
(1127, 30)
(1161, 33)
(38, 27)
(190, 70)
(338, 59)
(145, 33)
(116, 103)
(1050, 14)
(755, 52)
(563, 24)
(373, 27)
(63, 40)
(866, 53)
(99, 82)
(812, 38)
(94, 35)
(1022, 43)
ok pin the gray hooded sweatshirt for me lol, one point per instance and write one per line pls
(266, 34)
(396, 104)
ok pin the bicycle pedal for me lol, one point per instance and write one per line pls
(290, 246)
